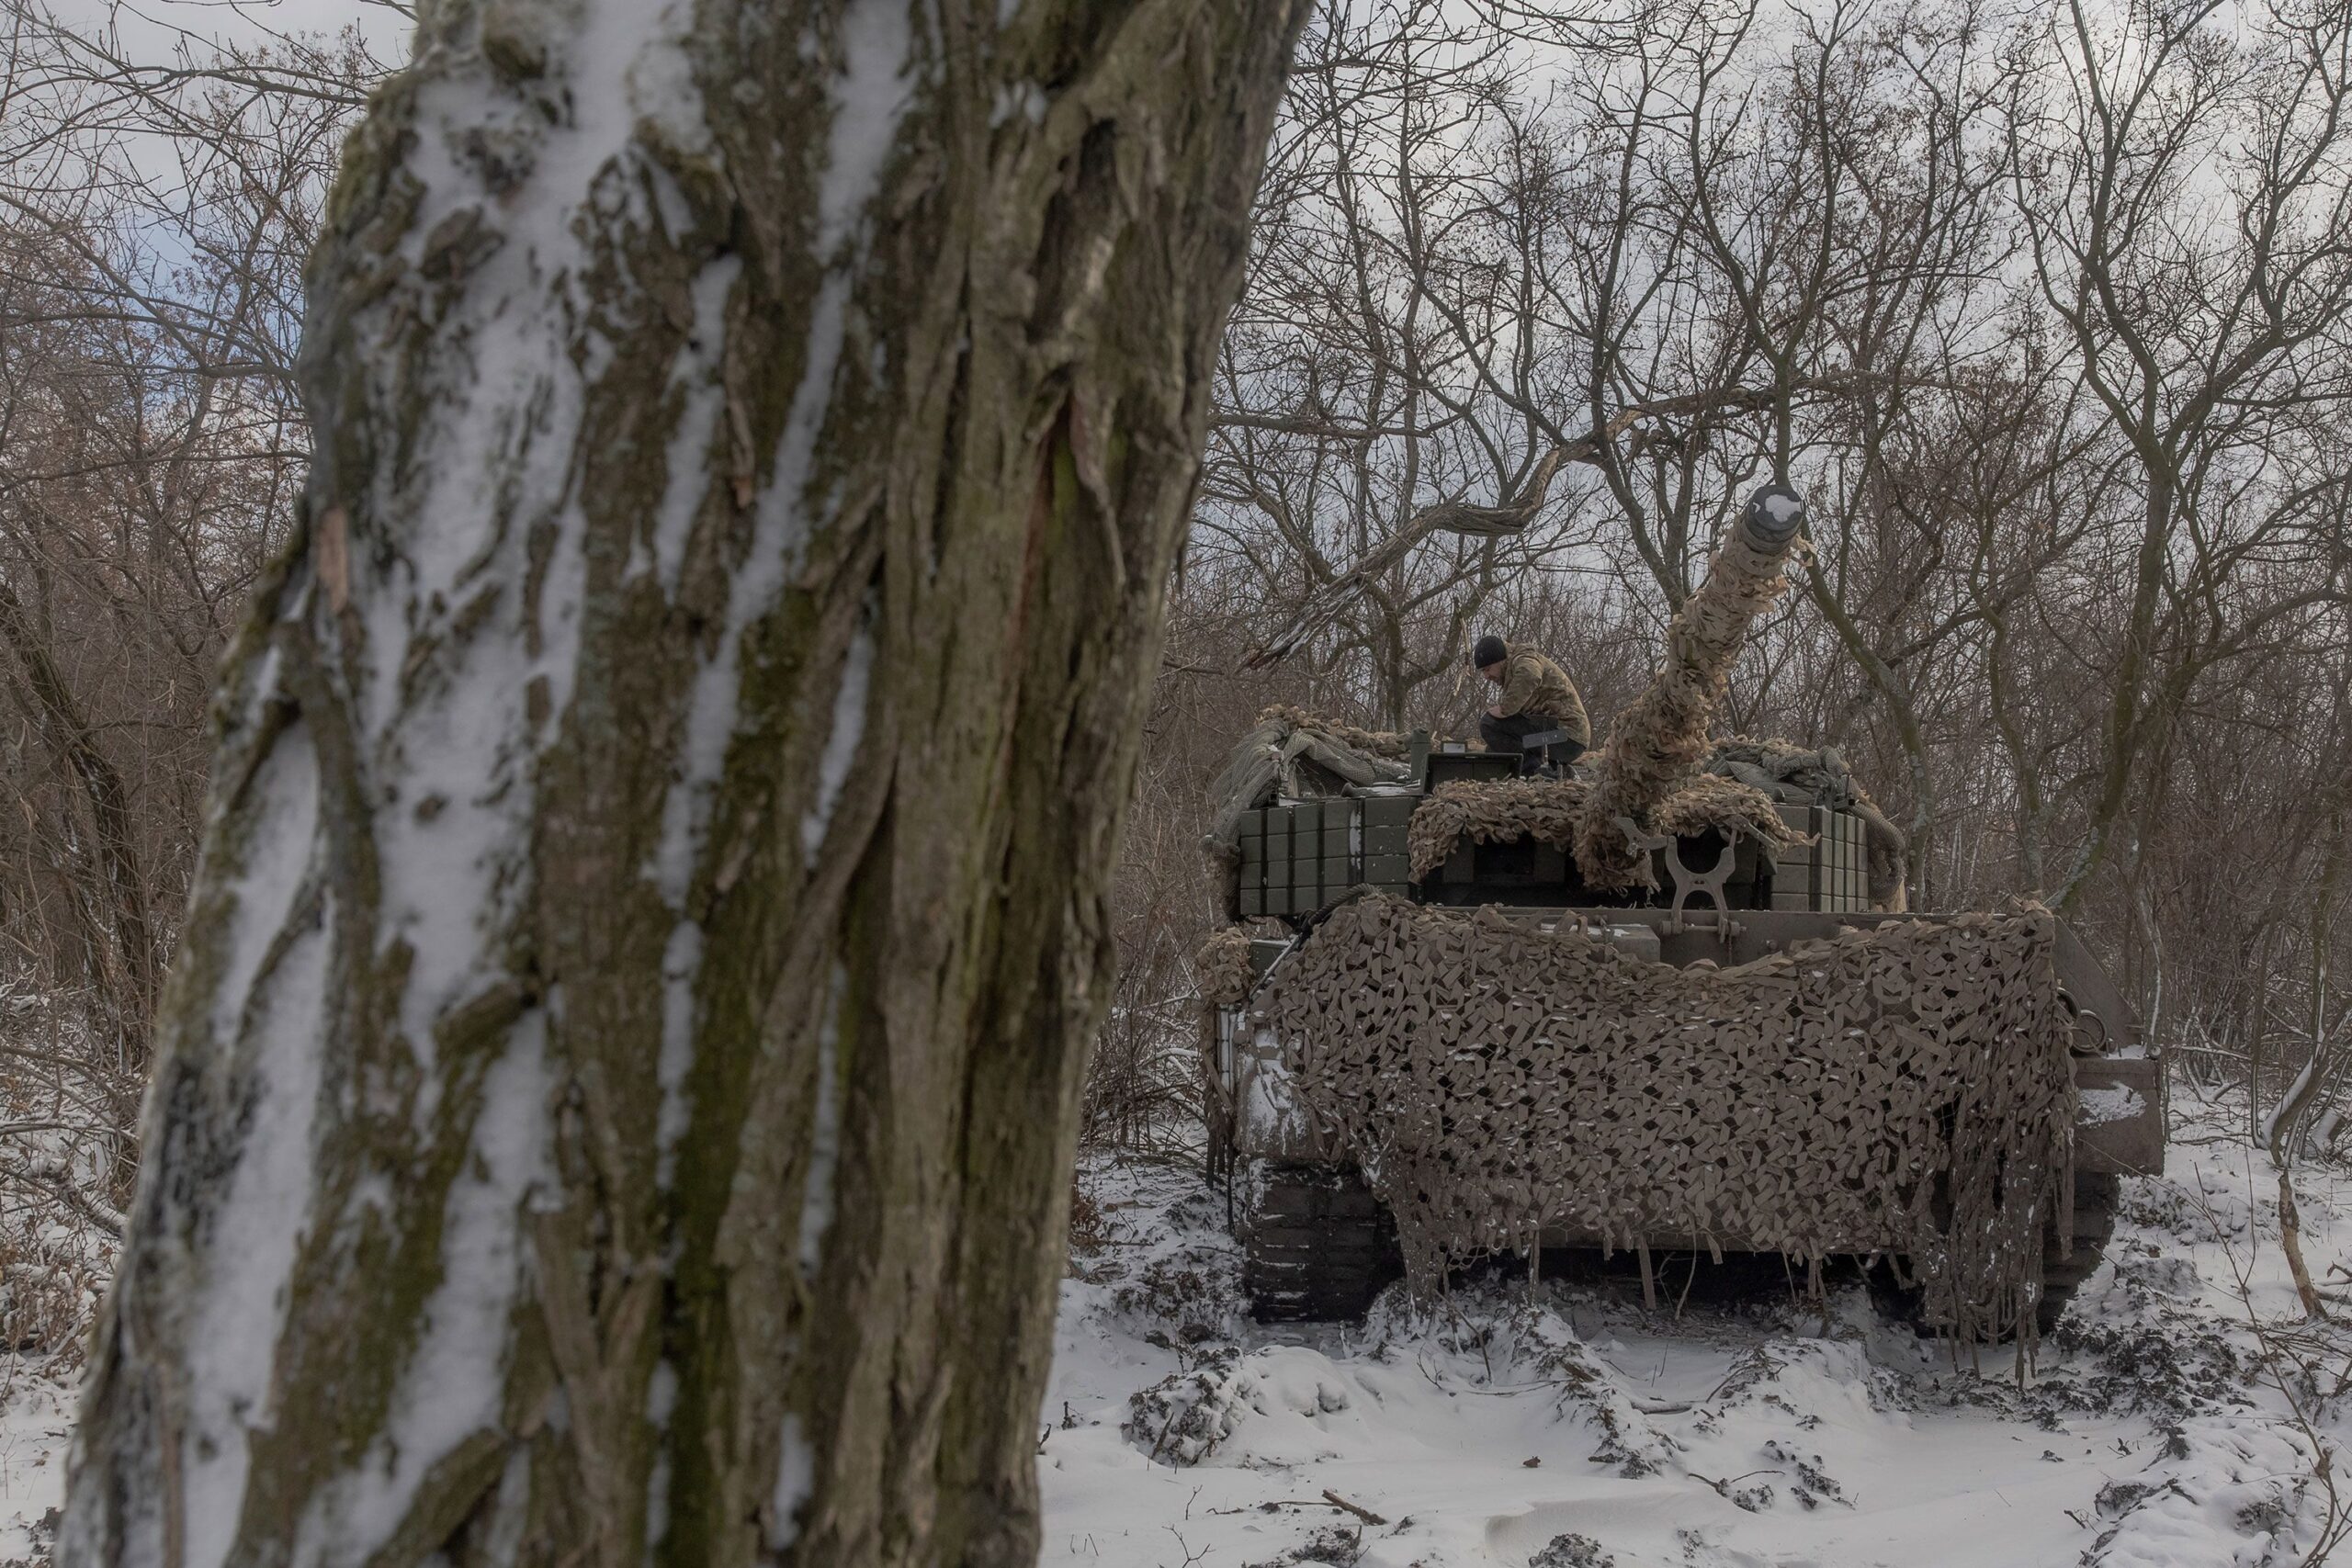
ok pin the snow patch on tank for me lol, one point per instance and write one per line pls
(2111, 1104)
(1273, 1119)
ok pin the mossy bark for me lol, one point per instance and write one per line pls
(701, 706)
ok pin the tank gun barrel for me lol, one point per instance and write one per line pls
(1657, 745)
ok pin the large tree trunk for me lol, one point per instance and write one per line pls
(619, 1085)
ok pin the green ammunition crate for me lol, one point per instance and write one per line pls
(1387, 871)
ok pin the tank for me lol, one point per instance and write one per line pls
(1669, 1002)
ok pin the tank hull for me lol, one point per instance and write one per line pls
(1320, 1245)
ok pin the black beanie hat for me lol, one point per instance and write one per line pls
(1491, 651)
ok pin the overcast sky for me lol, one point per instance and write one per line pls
(249, 21)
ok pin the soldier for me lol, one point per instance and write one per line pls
(1536, 697)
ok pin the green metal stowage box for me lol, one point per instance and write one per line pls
(1831, 872)
(1387, 819)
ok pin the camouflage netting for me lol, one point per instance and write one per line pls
(1546, 810)
(1788, 771)
(1221, 966)
(1294, 753)
(1221, 977)
(1392, 744)
(1496, 1081)
(1727, 806)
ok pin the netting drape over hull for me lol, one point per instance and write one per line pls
(1904, 1089)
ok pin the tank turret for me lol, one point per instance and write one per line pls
(1660, 742)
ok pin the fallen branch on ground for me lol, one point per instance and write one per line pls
(1366, 1515)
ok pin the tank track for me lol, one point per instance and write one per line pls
(2097, 1199)
(1318, 1247)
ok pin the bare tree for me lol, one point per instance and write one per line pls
(2190, 224)
(152, 227)
(1354, 381)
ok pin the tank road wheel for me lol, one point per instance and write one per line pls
(2097, 1197)
(1317, 1245)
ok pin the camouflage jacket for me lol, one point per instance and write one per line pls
(1532, 683)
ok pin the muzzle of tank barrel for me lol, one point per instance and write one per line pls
(1656, 744)
(1771, 519)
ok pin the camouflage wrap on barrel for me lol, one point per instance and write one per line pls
(1906, 1089)
(1658, 744)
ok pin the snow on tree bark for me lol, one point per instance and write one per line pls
(616, 1092)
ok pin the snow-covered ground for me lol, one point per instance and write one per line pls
(2169, 1422)
(2166, 1425)
(57, 1251)
(38, 1398)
